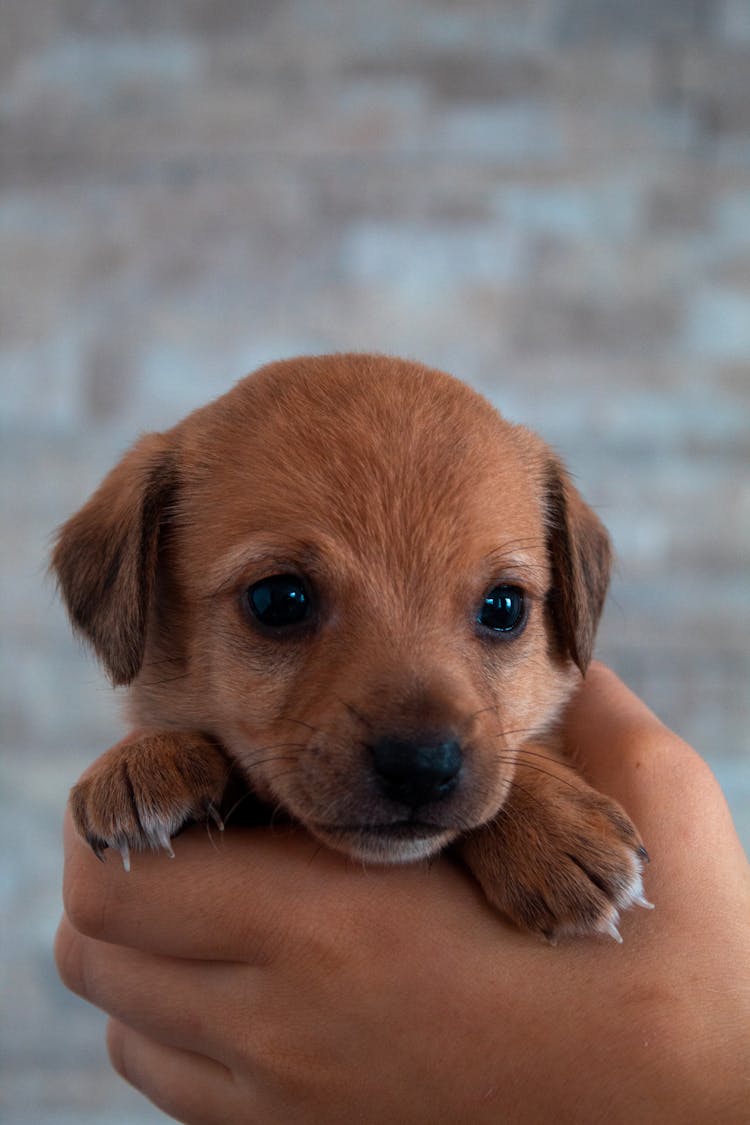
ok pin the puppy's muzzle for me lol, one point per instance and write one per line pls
(418, 770)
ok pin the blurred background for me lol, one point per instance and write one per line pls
(549, 198)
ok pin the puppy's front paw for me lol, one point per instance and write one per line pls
(141, 792)
(559, 859)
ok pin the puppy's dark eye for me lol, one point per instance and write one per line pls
(503, 610)
(278, 601)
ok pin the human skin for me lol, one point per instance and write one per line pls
(264, 979)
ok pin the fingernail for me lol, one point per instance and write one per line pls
(166, 843)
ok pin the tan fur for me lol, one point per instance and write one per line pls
(402, 497)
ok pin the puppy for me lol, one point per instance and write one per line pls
(352, 584)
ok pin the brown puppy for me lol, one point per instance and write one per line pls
(352, 582)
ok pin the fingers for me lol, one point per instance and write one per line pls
(181, 1004)
(253, 897)
(189, 1087)
(165, 905)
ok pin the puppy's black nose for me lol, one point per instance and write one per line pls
(415, 771)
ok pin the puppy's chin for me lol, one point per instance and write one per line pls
(386, 844)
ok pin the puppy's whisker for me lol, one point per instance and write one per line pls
(256, 762)
(521, 752)
(302, 723)
(237, 765)
(210, 835)
(240, 800)
(250, 795)
(235, 768)
(279, 812)
(284, 773)
(532, 767)
(293, 744)
(500, 734)
(483, 711)
(504, 811)
(270, 760)
(322, 817)
(523, 755)
(355, 713)
(516, 730)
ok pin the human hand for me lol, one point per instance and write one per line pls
(269, 981)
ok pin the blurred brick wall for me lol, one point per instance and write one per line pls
(550, 198)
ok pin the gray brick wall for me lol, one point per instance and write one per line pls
(550, 198)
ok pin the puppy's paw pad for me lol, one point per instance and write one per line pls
(140, 794)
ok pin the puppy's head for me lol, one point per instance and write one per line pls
(356, 575)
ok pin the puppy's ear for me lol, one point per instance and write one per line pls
(581, 559)
(106, 555)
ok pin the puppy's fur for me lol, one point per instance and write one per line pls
(399, 499)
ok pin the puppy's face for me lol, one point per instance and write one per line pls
(360, 579)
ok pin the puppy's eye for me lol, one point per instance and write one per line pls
(278, 601)
(503, 610)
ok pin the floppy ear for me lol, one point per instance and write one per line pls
(106, 555)
(581, 559)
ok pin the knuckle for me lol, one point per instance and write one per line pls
(117, 1051)
(83, 903)
(68, 952)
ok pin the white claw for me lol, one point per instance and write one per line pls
(124, 851)
(608, 925)
(641, 901)
(613, 931)
(166, 843)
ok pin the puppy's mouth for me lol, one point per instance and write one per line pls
(399, 841)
